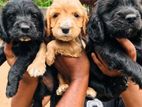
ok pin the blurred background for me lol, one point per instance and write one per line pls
(46, 3)
(40, 3)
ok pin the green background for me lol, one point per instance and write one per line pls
(40, 3)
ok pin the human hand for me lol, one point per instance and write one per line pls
(76, 71)
(9, 54)
(27, 85)
(128, 47)
(73, 68)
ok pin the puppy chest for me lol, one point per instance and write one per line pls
(72, 48)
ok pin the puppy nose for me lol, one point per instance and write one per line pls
(131, 18)
(24, 27)
(65, 31)
(66, 24)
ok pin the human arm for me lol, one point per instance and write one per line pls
(77, 70)
(27, 86)
(132, 95)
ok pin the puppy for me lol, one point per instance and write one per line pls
(22, 25)
(66, 21)
(115, 19)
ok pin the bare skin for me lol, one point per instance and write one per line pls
(130, 50)
(132, 96)
(79, 81)
(71, 68)
(27, 86)
(66, 64)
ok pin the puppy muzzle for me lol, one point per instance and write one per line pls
(129, 14)
(24, 32)
(126, 21)
(24, 27)
(66, 26)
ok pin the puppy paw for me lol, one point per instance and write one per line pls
(61, 89)
(91, 93)
(10, 92)
(49, 59)
(37, 69)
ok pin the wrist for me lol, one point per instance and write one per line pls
(131, 95)
(119, 84)
(112, 87)
(77, 90)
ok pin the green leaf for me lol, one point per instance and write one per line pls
(40, 3)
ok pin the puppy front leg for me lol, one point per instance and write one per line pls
(2, 55)
(62, 85)
(50, 54)
(38, 66)
(120, 61)
(15, 74)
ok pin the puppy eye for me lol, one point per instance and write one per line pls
(76, 15)
(10, 17)
(55, 15)
(34, 15)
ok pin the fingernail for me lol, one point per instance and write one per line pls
(92, 54)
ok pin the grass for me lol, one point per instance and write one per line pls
(43, 3)
(2, 2)
(40, 3)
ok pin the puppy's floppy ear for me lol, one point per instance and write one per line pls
(85, 21)
(95, 28)
(48, 22)
(3, 34)
(45, 21)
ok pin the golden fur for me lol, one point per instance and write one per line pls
(60, 16)
(38, 66)
(65, 14)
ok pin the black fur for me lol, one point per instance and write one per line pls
(115, 19)
(2, 55)
(47, 88)
(15, 15)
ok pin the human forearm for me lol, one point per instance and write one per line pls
(27, 85)
(24, 96)
(77, 69)
(78, 89)
(132, 97)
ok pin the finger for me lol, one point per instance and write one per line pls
(8, 50)
(109, 72)
(103, 67)
(9, 54)
(98, 62)
(11, 61)
(129, 48)
(102, 61)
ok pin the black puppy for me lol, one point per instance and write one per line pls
(115, 19)
(22, 25)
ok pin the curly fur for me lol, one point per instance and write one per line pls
(22, 25)
(115, 19)
(65, 23)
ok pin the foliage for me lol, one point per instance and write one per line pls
(43, 3)
(2, 2)
(40, 3)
